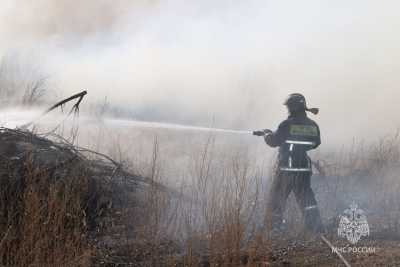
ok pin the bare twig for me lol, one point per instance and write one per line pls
(75, 108)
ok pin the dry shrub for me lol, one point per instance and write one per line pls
(43, 219)
(22, 81)
(220, 215)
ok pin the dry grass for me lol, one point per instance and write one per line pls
(221, 211)
(44, 220)
(213, 212)
(214, 217)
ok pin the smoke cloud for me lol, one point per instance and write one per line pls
(228, 62)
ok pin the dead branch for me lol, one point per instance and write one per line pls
(80, 95)
(75, 107)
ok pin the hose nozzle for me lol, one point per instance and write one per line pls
(314, 111)
(262, 132)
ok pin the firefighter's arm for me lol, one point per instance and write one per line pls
(277, 138)
(316, 139)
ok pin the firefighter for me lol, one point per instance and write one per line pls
(294, 137)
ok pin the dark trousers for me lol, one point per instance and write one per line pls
(300, 183)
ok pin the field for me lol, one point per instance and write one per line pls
(215, 212)
(203, 203)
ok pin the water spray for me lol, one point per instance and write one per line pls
(172, 126)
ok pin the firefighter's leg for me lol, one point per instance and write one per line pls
(306, 200)
(280, 190)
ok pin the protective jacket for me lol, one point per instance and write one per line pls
(295, 136)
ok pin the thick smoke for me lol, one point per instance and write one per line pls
(228, 62)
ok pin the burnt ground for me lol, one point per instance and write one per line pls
(314, 252)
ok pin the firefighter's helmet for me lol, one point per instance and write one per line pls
(296, 102)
